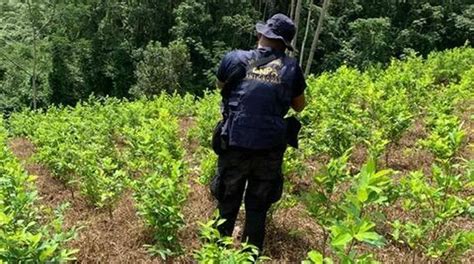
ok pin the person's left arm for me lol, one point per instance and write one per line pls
(298, 101)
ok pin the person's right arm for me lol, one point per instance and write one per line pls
(229, 68)
(220, 84)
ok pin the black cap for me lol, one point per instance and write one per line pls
(279, 27)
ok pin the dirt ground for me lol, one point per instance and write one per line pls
(291, 233)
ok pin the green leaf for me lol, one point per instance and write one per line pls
(371, 238)
(362, 194)
(35, 239)
(341, 240)
(328, 261)
(47, 253)
(315, 257)
(369, 167)
(4, 219)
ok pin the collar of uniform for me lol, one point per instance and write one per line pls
(268, 50)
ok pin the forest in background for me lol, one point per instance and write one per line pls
(61, 52)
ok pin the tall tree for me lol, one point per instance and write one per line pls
(297, 23)
(306, 33)
(93, 46)
(316, 37)
(24, 53)
(370, 41)
(162, 69)
(292, 9)
(39, 19)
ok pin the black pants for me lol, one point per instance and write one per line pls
(259, 176)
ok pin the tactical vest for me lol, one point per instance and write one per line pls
(258, 103)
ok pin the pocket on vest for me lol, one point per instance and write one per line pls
(258, 131)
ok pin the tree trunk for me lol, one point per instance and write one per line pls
(35, 92)
(33, 74)
(308, 23)
(316, 37)
(265, 10)
(35, 30)
(292, 9)
(297, 22)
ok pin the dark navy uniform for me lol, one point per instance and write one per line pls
(256, 133)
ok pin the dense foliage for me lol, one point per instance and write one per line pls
(27, 233)
(63, 51)
(103, 147)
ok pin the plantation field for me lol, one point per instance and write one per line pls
(384, 173)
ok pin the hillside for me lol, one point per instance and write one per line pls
(384, 173)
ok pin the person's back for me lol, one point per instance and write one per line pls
(261, 86)
(259, 101)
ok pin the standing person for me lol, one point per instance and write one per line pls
(258, 86)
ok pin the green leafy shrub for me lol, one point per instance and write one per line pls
(332, 121)
(436, 204)
(345, 219)
(218, 249)
(207, 115)
(22, 238)
(152, 150)
(159, 200)
(207, 168)
(446, 134)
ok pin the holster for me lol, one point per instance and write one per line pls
(219, 143)
(292, 131)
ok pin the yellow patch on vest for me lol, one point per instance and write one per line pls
(269, 73)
